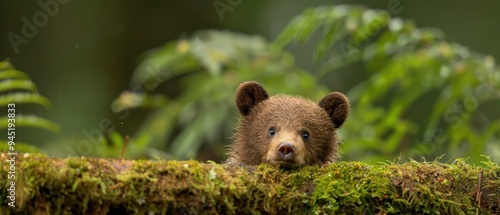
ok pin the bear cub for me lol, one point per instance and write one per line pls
(284, 130)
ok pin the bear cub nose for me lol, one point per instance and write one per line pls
(286, 150)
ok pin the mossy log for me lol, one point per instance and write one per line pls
(80, 185)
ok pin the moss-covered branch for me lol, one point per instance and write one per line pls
(47, 185)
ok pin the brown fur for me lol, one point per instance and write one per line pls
(291, 117)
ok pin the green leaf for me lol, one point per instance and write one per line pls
(188, 142)
(13, 74)
(24, 98)
(5, 65)
(376, 21)
(116, 138)
(308, 25)
(158, 127)
(30, 121)
(288, 34)
(17, 85)
(131, 100)
(162, 64)
(334, 30)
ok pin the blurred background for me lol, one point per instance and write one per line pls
(148, 70)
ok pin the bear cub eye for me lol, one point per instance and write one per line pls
(271, 132)
(305, 135)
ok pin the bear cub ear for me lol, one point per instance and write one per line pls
(337, 107)
(248, 95)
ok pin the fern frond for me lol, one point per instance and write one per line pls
(25, 98)
(16, 89)
(8, 85)
(13, 74)
(31, 121)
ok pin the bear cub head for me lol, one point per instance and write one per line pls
(284, 130)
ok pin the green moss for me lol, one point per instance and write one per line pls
(99, 186)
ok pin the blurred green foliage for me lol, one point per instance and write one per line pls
(404, 64)
(208, 67)
(16, 90)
